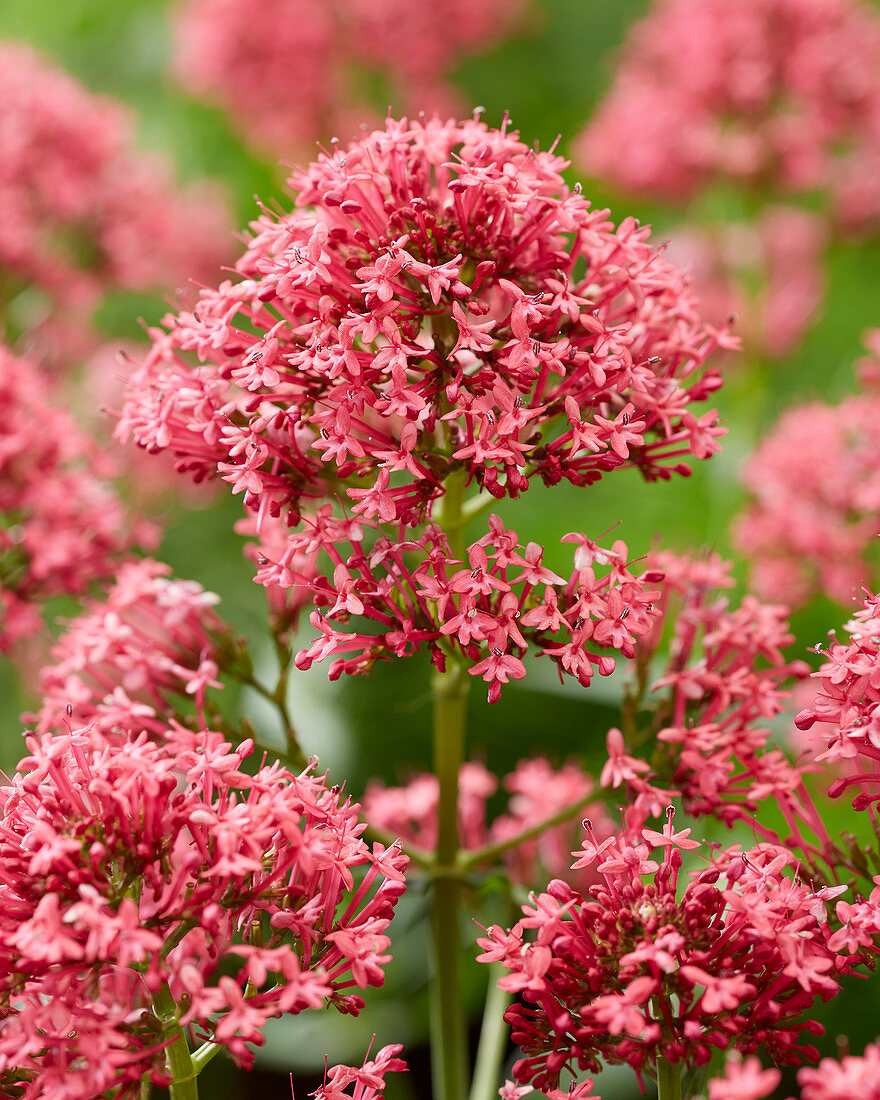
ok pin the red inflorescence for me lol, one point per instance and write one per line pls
(634, 971)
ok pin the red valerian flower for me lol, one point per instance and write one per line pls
(128, 660)
(845, 1079)
(151, 881)
(847, 705)
(224, 54)
(439, 302)
(368, 1080)
(639, 970)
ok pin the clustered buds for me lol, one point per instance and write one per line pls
(140, 871)
(634, 971)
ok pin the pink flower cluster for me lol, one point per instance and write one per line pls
(779, 94)
(636, 971)
(131, 659)
(830, 1080)
(705, 725)
(439, 302)
(490, 610)
(368, 1079)
(137, 871)
(538, 793)
(439, 311)
(815, 483)
(61, 524)
(768, 275)
(847, 704)
(291, 72)
(84, 212)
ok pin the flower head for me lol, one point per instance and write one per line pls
(137, 869)
(638, 970)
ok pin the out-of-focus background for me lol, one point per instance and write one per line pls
(548, 67)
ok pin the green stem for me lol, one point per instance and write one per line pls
(475, 857)
(493, 1039)
(668, 1079)
(449, 1052)
(178, 1061)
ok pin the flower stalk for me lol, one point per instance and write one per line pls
(178, 1060)
(668, 1079)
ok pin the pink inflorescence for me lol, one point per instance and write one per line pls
(61, 524)
(634, 972)
(440, 311)
(815, 483)
(84, 212)
(368, 1080)
(539, 794)
(847, 704)
(705, 723)
(144, 875)
(778, 94)
(129, 659)
(291, 72)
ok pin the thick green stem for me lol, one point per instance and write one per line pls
(668, 1079)
(493, 1039)
(449, 1054)
(178, 1061)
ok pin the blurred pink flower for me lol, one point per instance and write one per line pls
(84, 211)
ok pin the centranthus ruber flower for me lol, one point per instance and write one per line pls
(440, 320)
(62, 526)
(847, 705)
(641, 969)
(150, 886)
(699, 705)
(815, 487)
(131, 659)
(546, 806)
(778, 94)
(367, 1082)
(85, 212)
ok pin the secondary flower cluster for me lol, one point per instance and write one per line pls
(61, 525)
(831, 1080)
(847, 705)
(636, 971)
(130, 659)
(440, 302)
(815, 483)
(150, 884)
(291, 72)
(488, 611)
(778, 94)
(84, 212)
(702, 730)
(539, 794)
